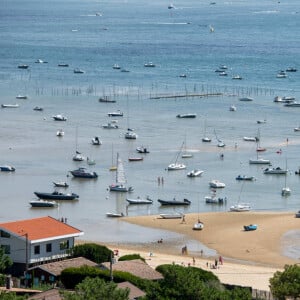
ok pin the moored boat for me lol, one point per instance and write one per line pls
(114, 215)
(110, 126)
(7, 168)
(275, 171)
(142, 149)
(244, 177)
(106, 99)
(57, 196)
(21, 97)
(195, 173)
(198, 225)
(10, 105)
(250, 227)
(188, 116)
(174, 202)
(59, 118)
(139, 200)
(259, 161)
(117, 113)
(96, 141)
(60, 184)
(216, 184)
(120, 186)
(172, 216)
(135, 158)
(240, 207)
(43, 203)
(83, 173)
(246, 99)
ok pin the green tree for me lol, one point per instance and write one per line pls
(287, 283)
(92, 251)
(95, 289)
(5, 260)
(191, 283)
(10, 296)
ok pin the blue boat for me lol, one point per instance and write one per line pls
(250, 227)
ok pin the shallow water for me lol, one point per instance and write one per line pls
(177, 41)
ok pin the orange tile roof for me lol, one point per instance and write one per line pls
(40, 228)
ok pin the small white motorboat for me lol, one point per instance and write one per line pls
(59, 118)
(198, 226)
(232, 108)
(10, 105)
(216, 184)
(117, 113)
(195, 173)
(139, 200)
(78, 71)
(172, 216)
(110, 126)
(60, 184)
(114, 215)
(237, 77)
(240, 207)
(176, 166)
(130, 135)
(149, 65)
(78, 157)
(60, 133)
(96, 141)
(21, 97)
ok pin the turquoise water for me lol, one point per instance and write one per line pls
(255, 40)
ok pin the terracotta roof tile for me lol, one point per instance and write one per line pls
(134, 293)
(136, 267)
(55, 268)
(40, 228)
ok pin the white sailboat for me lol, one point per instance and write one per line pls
(185, 153)
(259, 160)
(113, 167)
(120, 186)
(78, 156)
(220, 144)
(286, 191)
(205, 139)
(176, 165)
(240, 207)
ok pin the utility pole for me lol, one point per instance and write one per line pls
(110, 267)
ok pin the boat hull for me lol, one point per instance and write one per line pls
(56, 196)
(82, 173)
(174, 202)
(43, 203)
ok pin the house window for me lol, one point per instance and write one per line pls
(48, 247)
(37, 249)
(4, 234)
(64, 245)
(6, 249)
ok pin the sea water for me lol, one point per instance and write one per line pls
(253, 39)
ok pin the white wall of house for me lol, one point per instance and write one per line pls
(18, 254)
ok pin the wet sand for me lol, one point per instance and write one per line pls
(224, 232)
(250, 258)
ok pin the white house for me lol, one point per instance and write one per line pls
(36, 241)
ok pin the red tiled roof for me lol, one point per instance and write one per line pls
(40, 228)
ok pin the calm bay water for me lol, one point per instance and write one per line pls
(255, 40)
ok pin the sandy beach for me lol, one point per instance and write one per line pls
(250, 258)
